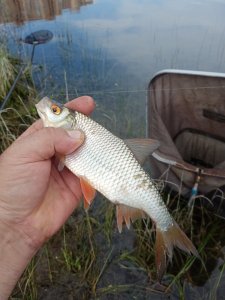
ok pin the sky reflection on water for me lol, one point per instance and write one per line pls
(143, 36)
(119, 45)
(151, 35)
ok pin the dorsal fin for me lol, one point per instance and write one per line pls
(142, 148)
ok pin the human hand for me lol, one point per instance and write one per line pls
(35, 197)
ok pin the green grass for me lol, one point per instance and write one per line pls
(7, 72)
(19, 112)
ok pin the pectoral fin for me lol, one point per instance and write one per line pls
(88, 192)
(142, 148)
(61, 162)
(127, 214)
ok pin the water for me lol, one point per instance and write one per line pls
(111, 49)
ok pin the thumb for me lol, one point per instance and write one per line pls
(45, 143)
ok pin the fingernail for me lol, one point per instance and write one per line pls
(76, 134)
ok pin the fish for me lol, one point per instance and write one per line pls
(113, 167)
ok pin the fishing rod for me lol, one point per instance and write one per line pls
(35, 38)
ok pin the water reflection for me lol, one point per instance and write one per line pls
(20, 11)
(143, 36)
(116, 45)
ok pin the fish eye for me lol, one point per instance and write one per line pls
(56, 109)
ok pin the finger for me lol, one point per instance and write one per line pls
(38, 124)
(72, 182)
(84, 104)
(45, 143)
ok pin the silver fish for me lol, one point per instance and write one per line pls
(112, 166)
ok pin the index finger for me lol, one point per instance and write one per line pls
(83, 104)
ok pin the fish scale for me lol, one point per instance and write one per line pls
(105, 163)
(114, 174)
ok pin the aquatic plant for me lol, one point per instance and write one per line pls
(7, 72)
(19, 112)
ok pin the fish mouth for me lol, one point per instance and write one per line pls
(41, 107)
(42, 115)
(40, 111)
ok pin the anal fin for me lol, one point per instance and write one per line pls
(127, 214)
(88, 192)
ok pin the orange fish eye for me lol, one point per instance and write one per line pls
(56, 109)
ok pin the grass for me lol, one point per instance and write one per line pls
(19, 112)
(13, 122)
(76, 249)
(88, 258)
(7, 72)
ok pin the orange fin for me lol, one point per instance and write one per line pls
(165, 242)
(127, 214)
(86, 204)
(88, 192)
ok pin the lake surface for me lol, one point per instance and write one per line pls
(111, 49)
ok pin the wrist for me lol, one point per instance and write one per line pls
(16, 251)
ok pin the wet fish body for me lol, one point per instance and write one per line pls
(111, 166)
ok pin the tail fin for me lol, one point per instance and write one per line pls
(165, 241)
